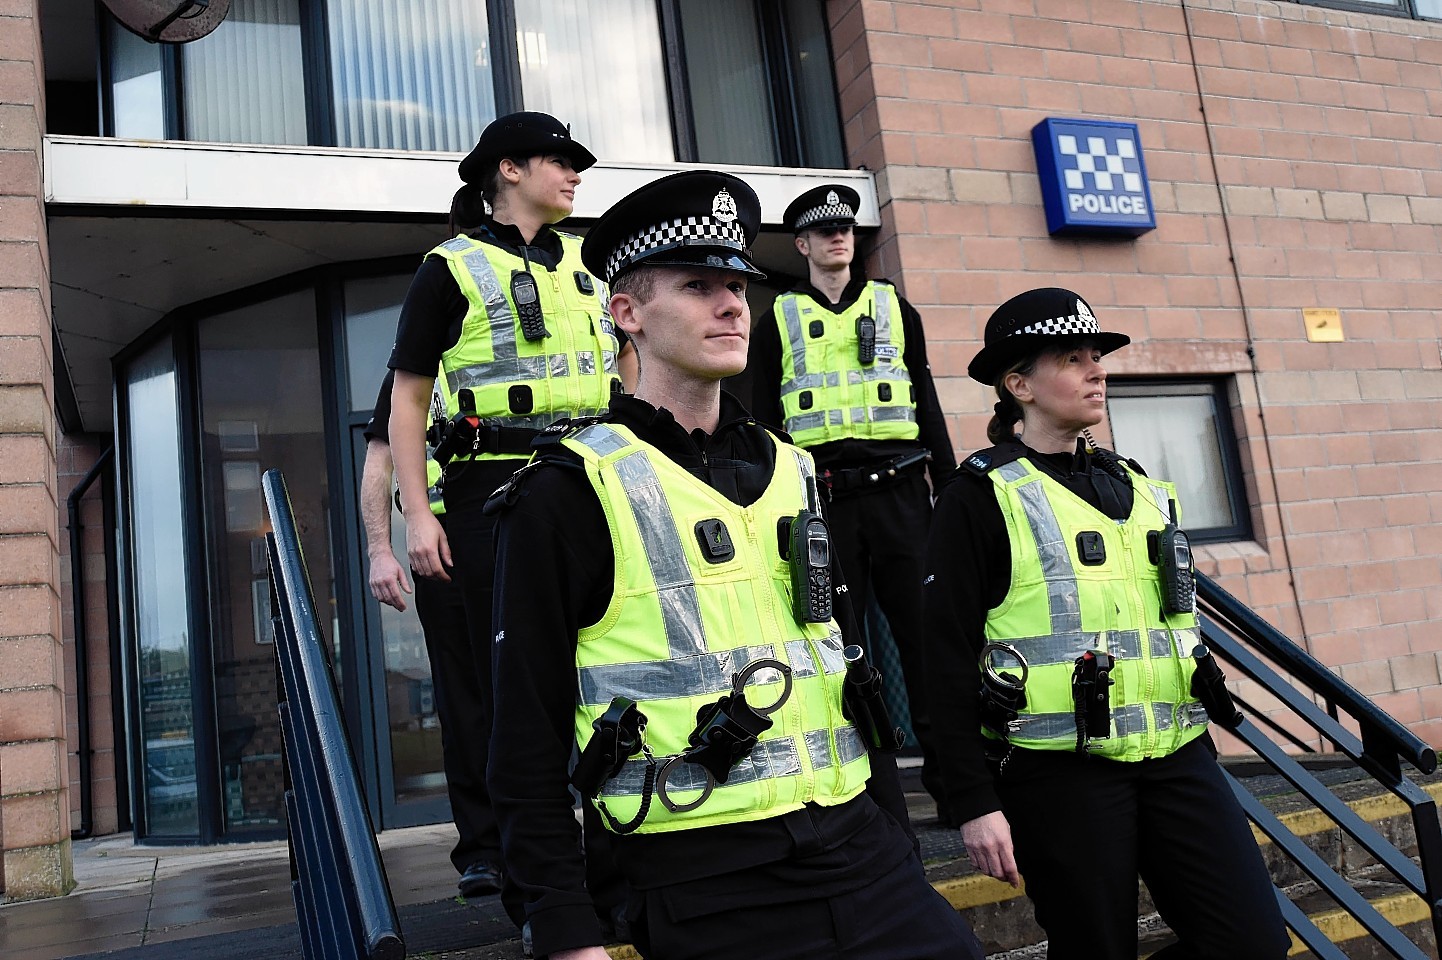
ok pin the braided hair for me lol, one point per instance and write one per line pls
(1006, 413)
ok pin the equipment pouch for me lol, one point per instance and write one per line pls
(617, 738)
(864, 705)
(1209, 685)
(1091, 683)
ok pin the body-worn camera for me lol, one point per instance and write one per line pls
(527, 298)
(866, 339)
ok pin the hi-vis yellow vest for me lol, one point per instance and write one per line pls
(526, 384)
(678, 629)
(1058, 608)
(827, 393)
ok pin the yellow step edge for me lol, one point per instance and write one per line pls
(1305, 823)
(1339, 926)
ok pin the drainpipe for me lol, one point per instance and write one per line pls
(82, 659)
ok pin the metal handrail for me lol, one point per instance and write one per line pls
(1384, 743)
(343, 901)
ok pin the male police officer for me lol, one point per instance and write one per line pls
(700, 682)
(839, 362)
(519, 328)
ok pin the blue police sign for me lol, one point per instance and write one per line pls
(1093, 177)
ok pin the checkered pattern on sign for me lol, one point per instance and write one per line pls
(1061, 326)
(683, 231)
(1114, 169)
(827, 211)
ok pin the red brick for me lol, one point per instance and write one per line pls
(32, 767)
(28, 661)
(37, 714)
(33, 820)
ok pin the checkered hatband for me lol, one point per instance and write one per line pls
(827, 211)
(681, 232)
(1061, 326)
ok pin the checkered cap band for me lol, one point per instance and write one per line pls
(827, 211)
(1061, 326)
(681, 232)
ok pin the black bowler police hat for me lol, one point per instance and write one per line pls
(829, 205)
(696, 218)
(524, 134)
(1037, 320)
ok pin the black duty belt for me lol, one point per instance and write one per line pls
(495, 438)
(876, 475)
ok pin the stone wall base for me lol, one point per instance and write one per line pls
(32, 873)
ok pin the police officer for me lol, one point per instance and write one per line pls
(520, 331)
(749, 818)
(442, 613)
(1059, 583)
(840, 363)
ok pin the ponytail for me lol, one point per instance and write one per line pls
(1007, 413)
(468, 209)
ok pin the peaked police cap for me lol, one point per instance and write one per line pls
(695, 218)
(829, 205)
(1028, 323)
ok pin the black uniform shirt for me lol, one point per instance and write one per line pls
(764, 369)
(555, 574)
(379, 425)
(968, 572)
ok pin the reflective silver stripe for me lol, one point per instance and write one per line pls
(1181, 715)
(818, 748)
(768, 760)
(560, 365)
(812, 381)
(881, 313)
(504, 365)
(1126, 721)
(1066, 647)
(791, 313)
(705, 674)
(879, 414)
(1178, 642)
(1163, 501)
(810, 421)
(803, 664)
(586, 361)
(849, 745)
(1063, 593)
(602, 440)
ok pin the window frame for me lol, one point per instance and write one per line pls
(776, 44)
(1405, 9)
(1219, 391)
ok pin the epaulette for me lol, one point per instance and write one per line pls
(507, 494)
(984, 461)
(563, 428)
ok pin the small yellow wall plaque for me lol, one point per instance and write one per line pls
(1324, 324)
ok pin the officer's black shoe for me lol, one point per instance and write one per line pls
(481, 879)
(528, 949)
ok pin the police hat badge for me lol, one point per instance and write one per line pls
(723, 207)
(169, 21)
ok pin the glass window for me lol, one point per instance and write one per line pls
(815, 85)
(245, 83)
(162, 608)
(1429, 8)
(730, 94)
(410, 74)
(259, 381)
(136, 95)
(598, 66)
(1182, 432)
(372, 310)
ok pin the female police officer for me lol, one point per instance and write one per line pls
(1049, 552)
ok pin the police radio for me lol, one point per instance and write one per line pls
(1171, 551)
(806, 545)
(527, 298)
(865, 339)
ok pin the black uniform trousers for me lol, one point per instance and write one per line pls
(464, 721)
(1084, 828)
(880, 537)
(897, 916)
(472, 537)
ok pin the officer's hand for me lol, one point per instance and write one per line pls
(388, 580)
(988, 844)
(582, 953)
(427, 547)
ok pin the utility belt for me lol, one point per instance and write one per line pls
(875, 476)
(467, 434)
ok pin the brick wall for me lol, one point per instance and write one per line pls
(34, 806)
(1295, 158)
